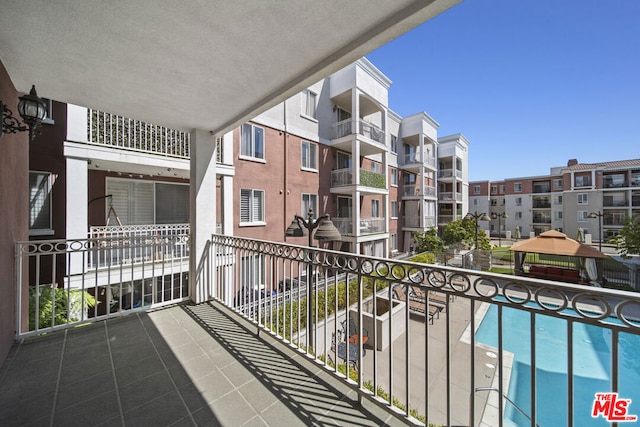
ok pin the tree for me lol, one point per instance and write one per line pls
(429, 241)
(464, 231)
(628, 240)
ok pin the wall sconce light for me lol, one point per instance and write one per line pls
(31, 108)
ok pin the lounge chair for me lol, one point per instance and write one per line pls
(421, 294)
(417, 306)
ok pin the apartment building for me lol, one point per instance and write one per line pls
(335, 148)
(587, 198)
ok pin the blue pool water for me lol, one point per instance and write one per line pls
(591, 367)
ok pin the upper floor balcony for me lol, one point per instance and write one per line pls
(114, 131)
(609, 201)
(414, 161)
(343, 178)
(449, 197)
(414, 190)
(413, 221)
(367, 226)
(372, 138)
(449, 173)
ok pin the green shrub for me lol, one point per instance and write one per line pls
(57, 304)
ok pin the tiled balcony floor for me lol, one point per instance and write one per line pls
(183, 365)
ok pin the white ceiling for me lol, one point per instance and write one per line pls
(192, 64)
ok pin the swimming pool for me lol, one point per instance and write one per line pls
(591, 366)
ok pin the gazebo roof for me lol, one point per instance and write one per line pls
(557, 243)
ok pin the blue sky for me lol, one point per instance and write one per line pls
(531, 83)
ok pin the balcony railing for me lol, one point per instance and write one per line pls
(609, 202)
(344, 177)
(130, 244)
(128, 134)
(414, 221)
(391, 329)
(367, 226)
(449, 197)
(413, 158)
(437, 298)
(416, 190)
(346, 127)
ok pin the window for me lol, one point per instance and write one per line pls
(375, 208)
(583, 198)
(476, 189)
(518, 215)
(40, 203)
(309, 103)
(518, 201)
(394, 242)
(557, 200)
(557, 184)
(494, 202)
(583, 180)
(557, 215)
(394, 209)
(138, 202)
(502, 189)
(583, 216)
(309, 155)
(494, 189)
(251, 206)
(309, 201)
(376, 167)
(394, 144)
(394, 177)
(252, 144)
(475, 202)
(517, 187)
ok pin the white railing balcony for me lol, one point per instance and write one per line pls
(415, 190)
(133, 135)
(367, 226)
(341, 177)
(347, 127)
(445, 196)
(414, 158)
(131, 244)
(413, 221)
(445, 173)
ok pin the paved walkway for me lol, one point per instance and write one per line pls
(183, 365)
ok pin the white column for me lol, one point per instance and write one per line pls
(227, 208)
(202, 204)
(77, 208)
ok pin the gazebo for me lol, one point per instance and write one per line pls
(556, 243)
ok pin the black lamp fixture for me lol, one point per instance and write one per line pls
(499, 216)
(325, 232)
(598, 215)
(477, 216)
(31, 108)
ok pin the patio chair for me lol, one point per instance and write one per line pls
(352, 332)
(339, 347)
(417, 306)
(418, 293)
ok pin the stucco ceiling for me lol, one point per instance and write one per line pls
(192, 64)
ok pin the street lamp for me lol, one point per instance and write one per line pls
(499, 216)
(477, 216)
(326, 232)
(598, 215)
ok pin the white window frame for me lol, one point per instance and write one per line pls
(309, 105)
(476, 189)
(47, 179)
(583, 198)
(394, 209)
(308, 199)
(518, 215)
(558, 183)
(394, 143)
(253, 153)
(394, 242)
(375, 208)
(494, 189)
(502, 188)
(518, 201)
(251, 221)
(583, 216)
(394, 177)
(376, 167)
(310, 161)
(517, 187)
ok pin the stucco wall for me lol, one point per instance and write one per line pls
(14, 188)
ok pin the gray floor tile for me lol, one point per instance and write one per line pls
(162, 411)
(142, 391)
(138, 369)
(85, 389)
(88, 412)
(232, 409)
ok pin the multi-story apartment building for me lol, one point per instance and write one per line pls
(587, 198)
(335, 148)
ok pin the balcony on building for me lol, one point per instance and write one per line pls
(541, 218)
(415, 158)
(617, 199)
(541, 186)
(365, 227)
(416, 222)
(635, 179)
(539, 202)
(410, 191)
(614, 180)
(369, 182)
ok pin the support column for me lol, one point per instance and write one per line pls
(77, 208)
(202, 208)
